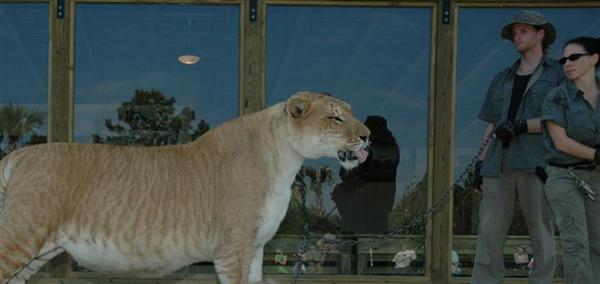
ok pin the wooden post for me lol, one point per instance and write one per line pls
(60, 94)
(252, 69)
(59, 71)
(443, 125)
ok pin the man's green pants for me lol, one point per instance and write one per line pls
(496, 211)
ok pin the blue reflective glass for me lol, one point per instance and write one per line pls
(124, 49)
(378, 60)
(23, 74)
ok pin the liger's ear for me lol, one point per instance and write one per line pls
(298, 107)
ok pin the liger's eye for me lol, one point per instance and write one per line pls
(337, 119)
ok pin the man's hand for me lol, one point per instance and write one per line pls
(507, 130)
(504, 132)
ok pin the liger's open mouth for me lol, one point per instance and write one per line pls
(350, 156)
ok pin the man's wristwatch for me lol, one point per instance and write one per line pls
(597, 156)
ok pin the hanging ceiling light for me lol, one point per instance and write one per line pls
(188, 58)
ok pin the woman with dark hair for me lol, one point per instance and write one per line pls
(571, 118)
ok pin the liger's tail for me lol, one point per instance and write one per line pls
(5, 174)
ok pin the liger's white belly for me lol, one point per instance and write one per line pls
(115, 256)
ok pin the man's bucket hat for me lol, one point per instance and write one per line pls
(530, 18)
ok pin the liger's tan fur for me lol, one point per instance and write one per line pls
(130, 209)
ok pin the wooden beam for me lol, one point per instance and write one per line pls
(252, 56)
(444, 45)
(59, 72)
(528, 3)
(60, 94)
(354, 3)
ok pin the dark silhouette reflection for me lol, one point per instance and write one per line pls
(366, 195)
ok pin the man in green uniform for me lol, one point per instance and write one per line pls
(512, 109)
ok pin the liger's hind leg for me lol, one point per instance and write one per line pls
(233, 264)
(25, 272)
(232, 270)
(24, 246)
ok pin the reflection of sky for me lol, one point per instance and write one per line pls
(136, 47)
(377, 59)
(24, 55)
(370, 57)
(482, 53)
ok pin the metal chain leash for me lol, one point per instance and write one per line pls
(299, 264)
(415, 222)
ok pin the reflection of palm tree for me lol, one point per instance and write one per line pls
(16, 122)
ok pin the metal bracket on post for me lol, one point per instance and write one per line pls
(253, 10)
(60, 9)
(446, 12)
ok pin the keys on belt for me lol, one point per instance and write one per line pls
(582, 185)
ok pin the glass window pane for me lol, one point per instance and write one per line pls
(154, 74)
(135, 69)
(23, 75)
(377, 59)
(481, 54)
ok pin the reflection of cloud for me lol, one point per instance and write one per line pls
(123, 88)
(109, 87)
(89, 119)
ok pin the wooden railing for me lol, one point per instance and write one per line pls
(365, 258)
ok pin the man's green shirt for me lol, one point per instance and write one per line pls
(526, 151)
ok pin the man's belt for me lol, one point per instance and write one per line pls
(575, 166)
